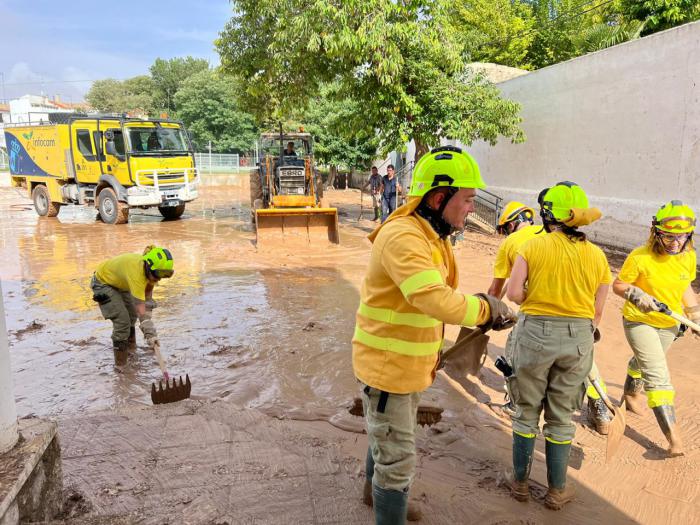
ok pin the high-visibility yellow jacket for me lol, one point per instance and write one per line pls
(409, 291)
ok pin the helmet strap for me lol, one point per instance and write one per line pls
(434, 217)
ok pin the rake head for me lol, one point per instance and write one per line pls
(427, 415)
(171, 392)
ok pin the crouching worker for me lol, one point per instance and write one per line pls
(552, 350)
(408, 293)
(123, 287)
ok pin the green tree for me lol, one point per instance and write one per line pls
(403, 62)
(207, 105)
(134, 95)
(660, 14)
(340, 138)
(498, 31)
(168, 75)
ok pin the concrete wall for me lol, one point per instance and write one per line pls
(624, 123)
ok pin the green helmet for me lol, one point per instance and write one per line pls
(446, 166)
(674, 217)
(559, 200)
(159, 262)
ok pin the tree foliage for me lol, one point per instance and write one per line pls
(207, 105)
(403, 62)
(168, 76)
(131, 96)
(660, 14)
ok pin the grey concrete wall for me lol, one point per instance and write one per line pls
(624, 123)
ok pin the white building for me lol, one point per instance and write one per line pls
(35, 108)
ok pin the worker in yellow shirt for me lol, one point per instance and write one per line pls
(408, 293)
(662, 269)
(123, 288)
(552, 350)
(518, 225)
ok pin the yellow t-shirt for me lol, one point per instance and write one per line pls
(665, 277)
(563, 276)
(509, 249)
(124, 272)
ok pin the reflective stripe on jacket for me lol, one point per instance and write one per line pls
(409, 291)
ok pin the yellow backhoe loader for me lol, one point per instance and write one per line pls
(284, 198)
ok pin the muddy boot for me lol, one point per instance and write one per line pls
(666, 417)
(121, 349)
(390, 506)
(414, 512)
(560, 493)
(635, 400)
(598, 416)
(132, 340)
(517, 480)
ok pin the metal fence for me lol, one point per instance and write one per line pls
(218, 162)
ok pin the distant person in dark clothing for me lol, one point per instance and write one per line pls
(289, 152)
(389, 191)
(374, 183)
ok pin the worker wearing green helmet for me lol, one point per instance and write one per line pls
(663, 269)
(123, 288)
(407, 296)
(561, 281)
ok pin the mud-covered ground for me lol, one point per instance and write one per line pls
(270, 329)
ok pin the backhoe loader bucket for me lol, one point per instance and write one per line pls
(296, 225)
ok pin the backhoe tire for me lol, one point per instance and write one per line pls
(42, 202)
(170, 213)
(112, 211)
(256, 193)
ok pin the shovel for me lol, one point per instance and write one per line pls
(664, 309)
(171, 392)
(617, 424)
(468, 354)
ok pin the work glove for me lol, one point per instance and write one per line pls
(148, 328)
(642, 300)
(152, 341)
(501, 316)
(693, 313)
(596, 335)
(151, 304)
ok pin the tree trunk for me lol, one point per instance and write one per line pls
(332, 173)
(421, 149)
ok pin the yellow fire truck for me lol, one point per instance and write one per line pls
(111, 163)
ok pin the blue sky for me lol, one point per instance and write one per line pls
(48, 46)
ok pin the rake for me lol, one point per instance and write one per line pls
(170, 393)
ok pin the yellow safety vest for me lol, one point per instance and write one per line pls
(409, 291)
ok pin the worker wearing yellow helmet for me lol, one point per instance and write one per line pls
(518, 225)
(123, 288)
(407, 296)
(663, 269)
(560, 280)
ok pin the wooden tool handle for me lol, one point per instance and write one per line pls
(161, 361)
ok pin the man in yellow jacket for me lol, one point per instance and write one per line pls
(408, 293)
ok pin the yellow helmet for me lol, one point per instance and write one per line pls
(447, 166)
(559, 200)
(514, 211)
(674, 217)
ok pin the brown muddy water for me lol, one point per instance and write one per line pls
(268, 330)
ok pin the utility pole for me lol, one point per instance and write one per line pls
(8, 411)
(2, 83)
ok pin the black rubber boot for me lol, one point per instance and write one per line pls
(559, 493)
(523, 450)
(666, 417)
(635, 400)
(390, 506)
(121, 350)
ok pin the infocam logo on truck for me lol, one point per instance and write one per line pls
(112, 163)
